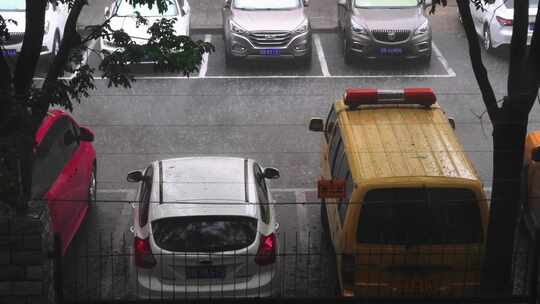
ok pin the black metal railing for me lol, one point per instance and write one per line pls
(102, 269)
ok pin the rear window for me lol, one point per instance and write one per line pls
(415, 216)
(204, 233)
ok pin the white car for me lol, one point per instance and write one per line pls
(124, 18)
(55, 21)
(494, 21)
(205, 227)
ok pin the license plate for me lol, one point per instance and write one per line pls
(205, 272)
(531, 27)
(390, 51)
(9, 52)
(270, 52)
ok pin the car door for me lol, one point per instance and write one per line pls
(55, 178)
(477, 15)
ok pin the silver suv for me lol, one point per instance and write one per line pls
(391, 28)
(266, 28)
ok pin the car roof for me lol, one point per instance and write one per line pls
(194, 186)
(402, 141)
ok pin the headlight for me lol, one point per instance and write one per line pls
(422, 29)
(237, 29)
(358, 29)
(47, 26)
(302, 28)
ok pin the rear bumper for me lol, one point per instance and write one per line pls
(264, 284)
(502, 35)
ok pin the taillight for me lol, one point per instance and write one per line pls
(504, 21)
(143, 253)
(348, 267)
(266, 254)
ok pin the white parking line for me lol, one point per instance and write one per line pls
(301, 220)
(204, 64)
(320, 55)
(443, 61)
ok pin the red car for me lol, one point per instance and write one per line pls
(64, 172)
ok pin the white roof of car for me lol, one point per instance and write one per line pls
(198, 186)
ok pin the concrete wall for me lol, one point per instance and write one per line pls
(26, 247)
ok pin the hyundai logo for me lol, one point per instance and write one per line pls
(391, 36)
(269, 36)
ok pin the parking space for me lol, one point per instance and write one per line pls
(327, 62)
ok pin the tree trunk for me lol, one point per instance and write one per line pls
(508, 142)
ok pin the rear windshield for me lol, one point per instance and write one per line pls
(204, 233)
(126, 9)
(412, 216)
(532, 3)
(385, 3)
(266, 4)
(12, 5)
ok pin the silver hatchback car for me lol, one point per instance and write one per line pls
(383, 29)
(266, 28)
(205, 227)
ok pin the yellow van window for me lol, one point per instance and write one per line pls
(330, 123)
(414, 216)
(344, 202)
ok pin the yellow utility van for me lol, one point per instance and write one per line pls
(402, 203)
(531, 182)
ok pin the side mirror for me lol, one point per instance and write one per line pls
(135, 176)
(452, 122)
(342, 3)
(271, 173)
(316, 124)
(107, 12)
(182, 12)
(86, 134)
(306, 3)
(535, 154)
(227, 4)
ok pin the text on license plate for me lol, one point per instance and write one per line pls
(205, 272)
(390, 51)
(9, 52)
(270, 52)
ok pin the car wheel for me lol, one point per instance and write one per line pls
(347, 54)
(92, 187)
(426, 59)
(324, 220)
(306, 59)
(488, 46)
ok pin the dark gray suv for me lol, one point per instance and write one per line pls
(385, 28)
(266, 28)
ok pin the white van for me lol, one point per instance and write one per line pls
(55, 21)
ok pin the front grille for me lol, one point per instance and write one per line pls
(270, 39)
(391, 35)
(14, 38)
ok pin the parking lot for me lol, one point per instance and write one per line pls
(259, 109)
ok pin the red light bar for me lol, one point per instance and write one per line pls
(419, 96)
(422, 96)
(358, 96)
(503, 21)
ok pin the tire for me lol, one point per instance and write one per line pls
(347, 54)
(486, 38)
(324, 221)
(306, 59)
(426, 59)
(92, 187)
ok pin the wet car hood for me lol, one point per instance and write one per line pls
(389, 18)
(268, 20)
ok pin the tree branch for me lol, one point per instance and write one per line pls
(517, 48)
(31, 48)
(479, 69)
(534, 55)
(70, 38)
